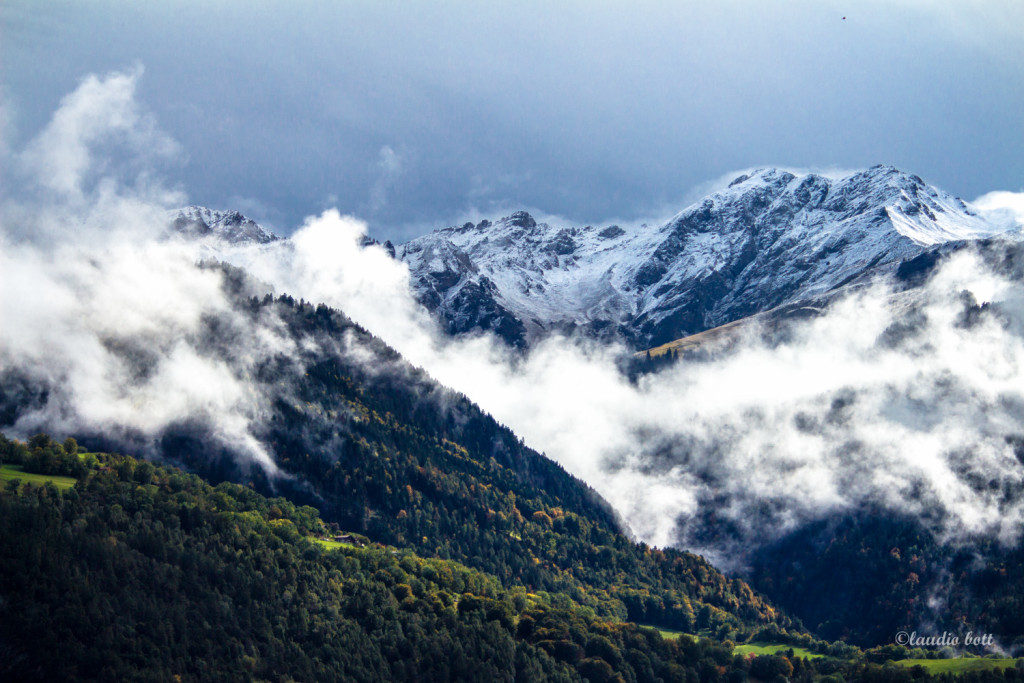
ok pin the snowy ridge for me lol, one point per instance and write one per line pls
(530, 276)
(770, 238)
(229, 226)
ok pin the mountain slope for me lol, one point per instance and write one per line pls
(383, 450)
(148, 573)
(143, 572)
(770, 238)
(859, 572)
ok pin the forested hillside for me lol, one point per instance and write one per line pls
(383, 450)
(148, 573)
(858, 578)
(143, 572)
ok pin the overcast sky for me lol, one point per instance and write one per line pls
(416, 115)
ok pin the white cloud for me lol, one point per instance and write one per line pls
(768, 437)
(390, 166)
(1002, 208)
(96, 307)
(848, 411)
(100, 110)
(659, 99)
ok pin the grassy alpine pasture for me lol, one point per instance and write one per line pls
(332, 545)
(9, 472)
(959, 665)
(769, 649)
(667, 633)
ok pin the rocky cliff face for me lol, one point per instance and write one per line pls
(770, 238)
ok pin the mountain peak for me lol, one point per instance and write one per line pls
(229, 226)
(763, 176)
(883, 169)
(520, 219)
(772, 237)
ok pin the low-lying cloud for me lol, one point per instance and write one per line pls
(1003, 208)
(97, 308)
(911, 401)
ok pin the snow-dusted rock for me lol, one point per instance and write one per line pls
(229, 226)
(770, 238)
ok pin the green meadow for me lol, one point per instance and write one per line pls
(959, 665)
(332, 545)
(767, 649)
(9, 472)
(667, 633)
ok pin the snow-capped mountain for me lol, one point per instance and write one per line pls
(229, 226)
(770, 238)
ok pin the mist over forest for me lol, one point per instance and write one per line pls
(834, 475)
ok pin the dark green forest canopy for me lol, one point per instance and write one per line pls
(143, 572)
(146, 573)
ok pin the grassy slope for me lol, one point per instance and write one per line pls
(690, 342)
(332, 545)
(959, 665)
(766, 649)
(10, 472)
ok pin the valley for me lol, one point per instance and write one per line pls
(331, 418)
(572, 342)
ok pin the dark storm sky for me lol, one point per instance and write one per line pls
(415, 115)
